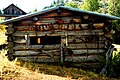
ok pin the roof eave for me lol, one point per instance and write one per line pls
(58, 7)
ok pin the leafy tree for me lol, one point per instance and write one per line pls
(57, 3)
(74, 4)
(91, 5)
(103, 6)
(114, 9)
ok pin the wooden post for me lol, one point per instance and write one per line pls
(66, 40)
(62, 54)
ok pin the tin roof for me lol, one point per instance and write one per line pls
(109, 17)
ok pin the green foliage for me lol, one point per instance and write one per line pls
(103, 7)
(115, 64)
(56, 3)
(91, 5)
(114, 9)
(74, 4)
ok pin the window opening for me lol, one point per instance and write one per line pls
(45, 40)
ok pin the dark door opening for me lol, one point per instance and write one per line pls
(45, 40)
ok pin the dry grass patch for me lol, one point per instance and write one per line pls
(19, 70)
(11, 71)
(71, 73)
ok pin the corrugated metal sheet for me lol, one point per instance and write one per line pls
(60, 7)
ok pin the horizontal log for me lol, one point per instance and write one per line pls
(89, 51)
(54, 16)
(45, 27)
(42, 55)
(37, 47)
(91, 58)
(59, 33)
(78, 48)
(85, 53)
(86, 38)
(65, 23)
(57, 52)
(85, 42)
(37, 59)
(22, 41)
(86, 45)
(37, 53)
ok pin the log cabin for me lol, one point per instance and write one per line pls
(12, 11)
(62, 35)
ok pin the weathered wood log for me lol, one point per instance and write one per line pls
(90, 59)
(44, 24)
(85, 42)
(86, 45)
(84, 51)
(34, 47)
(47, 27)
(20, 41)
(86, 58)
(57, 33)
(30, 52)
(33, 59)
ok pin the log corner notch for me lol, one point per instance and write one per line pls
(10, 31)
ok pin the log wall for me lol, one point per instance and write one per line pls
(79, 47)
